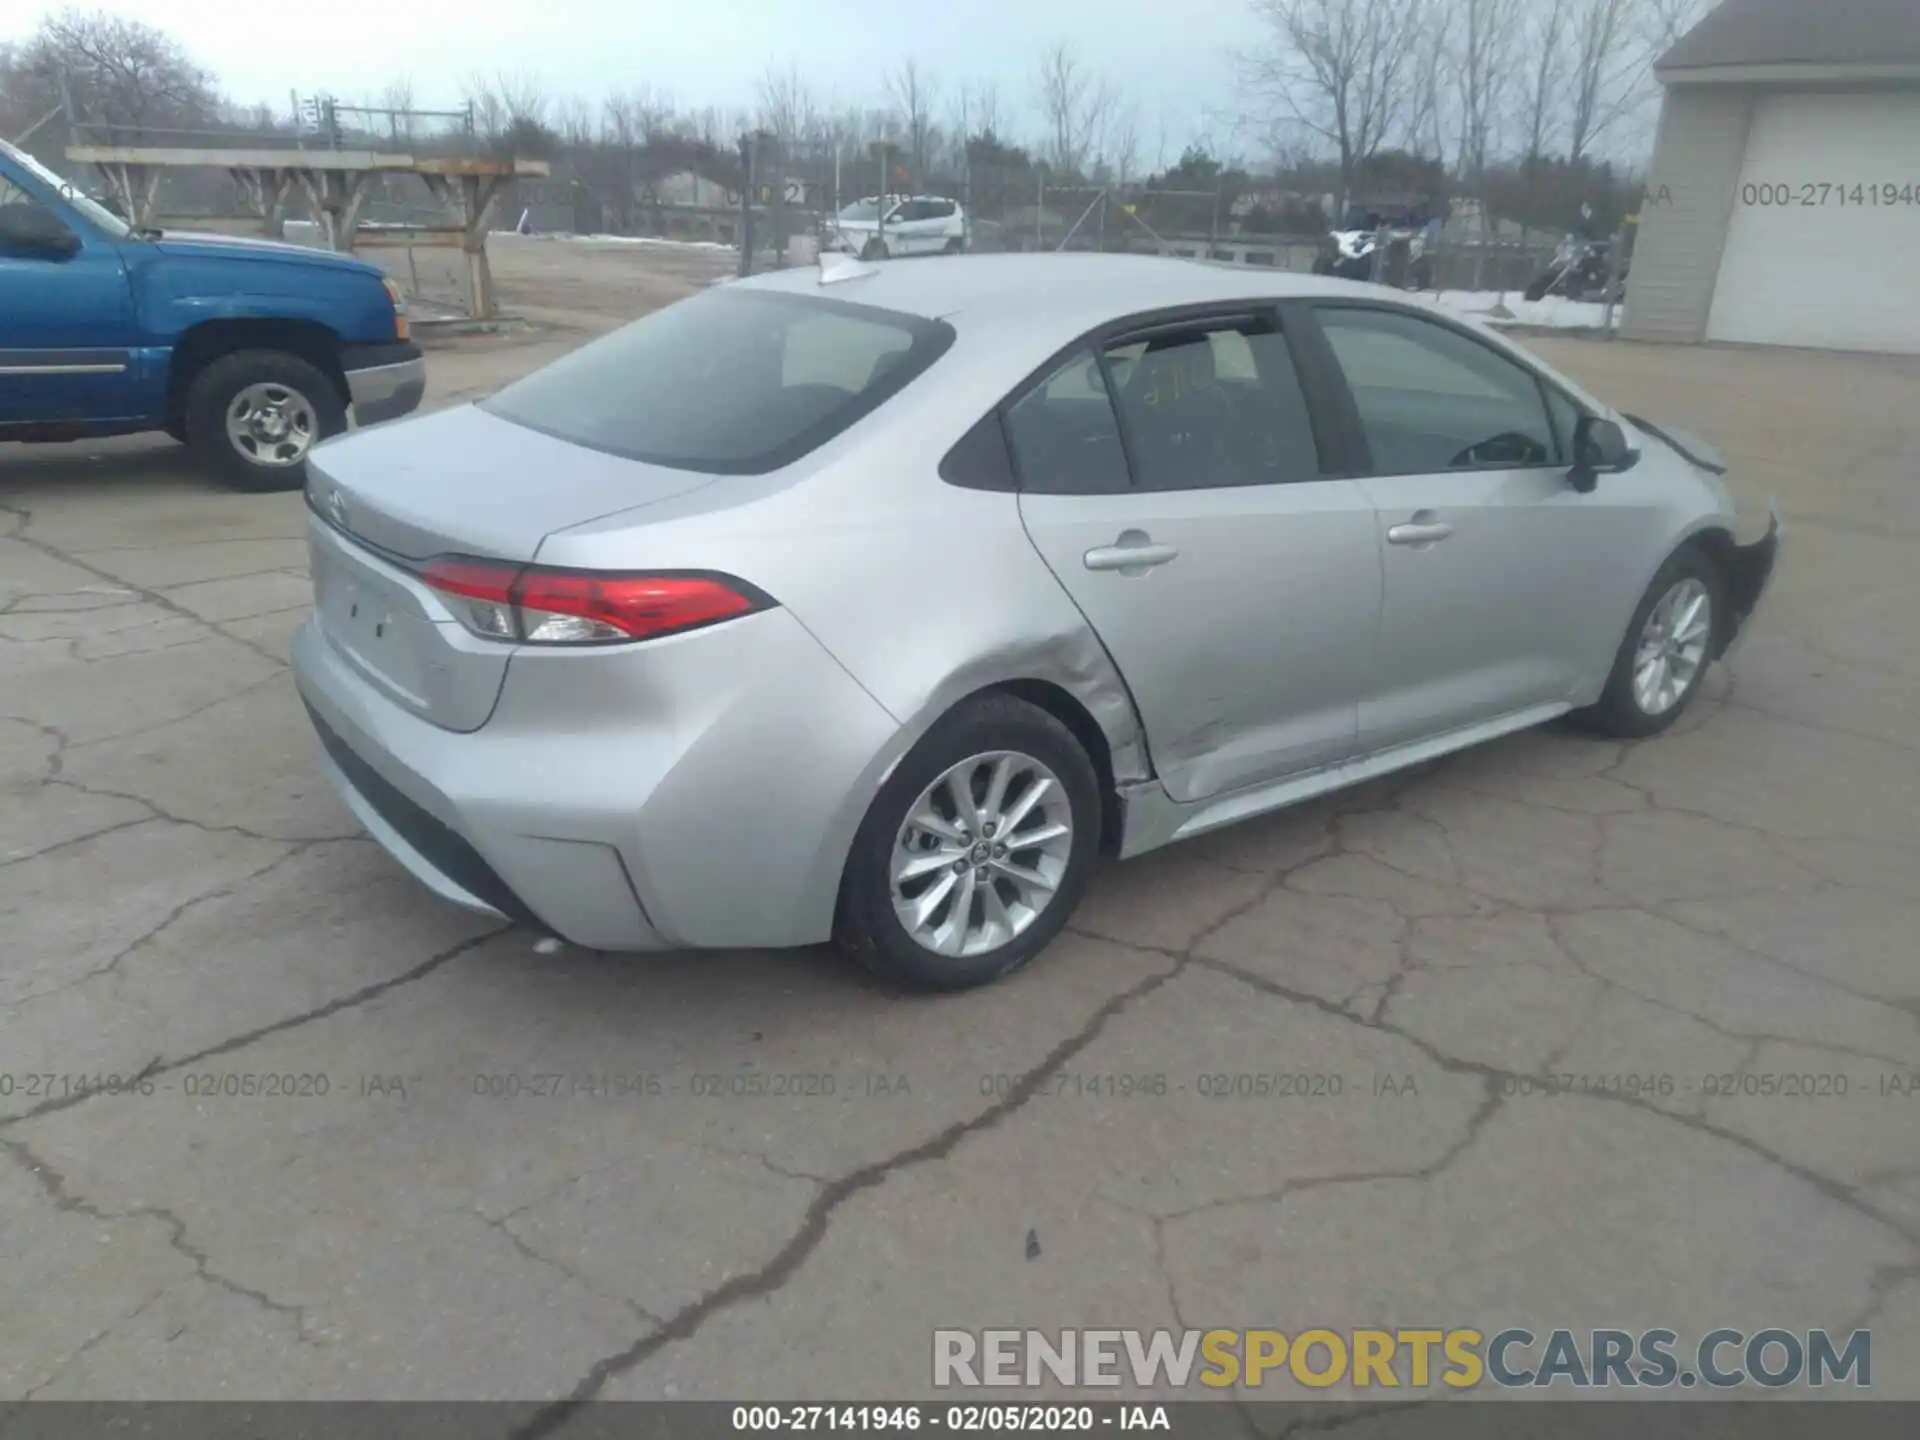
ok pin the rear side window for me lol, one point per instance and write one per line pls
(730, 381)
(1064, 436)
(1213, 405)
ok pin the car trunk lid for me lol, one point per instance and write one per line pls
(460, 482)
(468, 483)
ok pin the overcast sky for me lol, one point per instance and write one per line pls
(1166, 56)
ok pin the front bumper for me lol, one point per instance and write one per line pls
(389, 388)
(1750, 575)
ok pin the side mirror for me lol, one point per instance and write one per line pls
(31, 230)
(1598, 444)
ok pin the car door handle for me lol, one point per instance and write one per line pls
(1133, 553)
(1419, 532)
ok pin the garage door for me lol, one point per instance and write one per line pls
(1823, 248)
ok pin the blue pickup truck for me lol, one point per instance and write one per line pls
(249, 351)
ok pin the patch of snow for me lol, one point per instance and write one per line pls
(621, 240)
(1555, 312)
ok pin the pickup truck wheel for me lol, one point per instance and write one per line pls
(253, 416)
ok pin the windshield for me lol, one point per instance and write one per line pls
(866, 210)
(730, 381)
(95, 212)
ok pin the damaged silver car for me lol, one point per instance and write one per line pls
(880, 603)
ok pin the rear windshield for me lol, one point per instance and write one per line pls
(731, 381)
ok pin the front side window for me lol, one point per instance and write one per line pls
(1432, 399)
(1566, 415)
(92, 209)
(1214, 404)
(731, 381)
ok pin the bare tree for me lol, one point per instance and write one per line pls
(1122, 150)
(959, 128)
(511, 112)
(1160, 141)
(633, 117)
(1481, 59)
(1430, 100)
(1075, 104)
(787, 106)
(489, 111)
(397, 100)
(1610, 61)
(913, 91)
(117, 72)
(1614, 46)
(1667, 20)
(986, 110)
(523, 95)
(1339, 69)
(1544, 40)
(574, 120)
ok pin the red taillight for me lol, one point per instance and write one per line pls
(584, 607)
(476, 579)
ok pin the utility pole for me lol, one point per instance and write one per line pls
(882, 150)
(746, 205)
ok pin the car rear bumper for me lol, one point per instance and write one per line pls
(385, 382)
(702, 796)
(457, 834)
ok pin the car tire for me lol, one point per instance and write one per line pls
(1538, 287)
(261, 451)
(1623, 710)
(875, 249)
(969, 745)
(953, 246)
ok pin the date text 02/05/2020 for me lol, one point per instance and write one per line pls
(809, 1419)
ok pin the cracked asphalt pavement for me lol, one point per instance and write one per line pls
(503, 1173)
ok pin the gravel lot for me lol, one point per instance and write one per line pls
(182, 896)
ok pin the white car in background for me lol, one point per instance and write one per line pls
(914, 225)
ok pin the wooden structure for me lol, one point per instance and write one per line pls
(334, 184)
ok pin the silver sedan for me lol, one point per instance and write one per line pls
(879, 602)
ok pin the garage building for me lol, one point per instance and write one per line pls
(1783, 204)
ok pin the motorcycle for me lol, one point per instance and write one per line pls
(1578, 271)
(1350, 255)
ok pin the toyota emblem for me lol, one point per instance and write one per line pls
(337, 508)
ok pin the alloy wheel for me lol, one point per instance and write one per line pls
(1672, 646)
(981, 853)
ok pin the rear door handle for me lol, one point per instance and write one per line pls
(1419, 532)
(1134, 553)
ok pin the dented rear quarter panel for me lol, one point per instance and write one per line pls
(924, 592)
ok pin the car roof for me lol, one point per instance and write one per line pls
(1074, 290)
